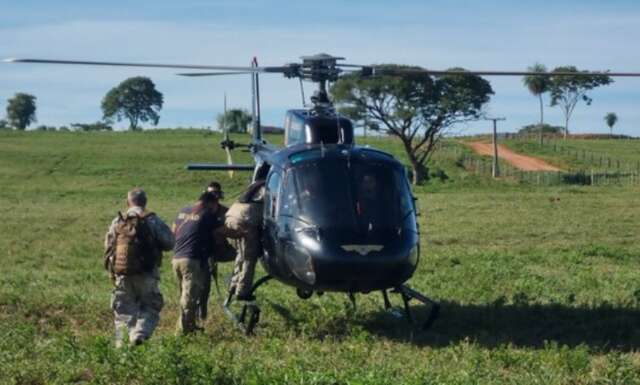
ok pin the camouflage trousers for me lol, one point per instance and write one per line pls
(244, 268)
(191, 282)
(136, 302)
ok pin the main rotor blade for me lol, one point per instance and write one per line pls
(380, 70)
(220, 167)
(195, 74)
(150, 65)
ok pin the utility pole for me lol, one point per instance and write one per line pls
(495, 170)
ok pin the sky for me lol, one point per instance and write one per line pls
(480, 35)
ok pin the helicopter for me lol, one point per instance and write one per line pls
(327, 225)
(338, 217)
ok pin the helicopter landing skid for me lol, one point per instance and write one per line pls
(250, 311)
(407, 295)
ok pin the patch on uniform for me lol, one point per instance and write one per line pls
(189, 217)
(362, 249)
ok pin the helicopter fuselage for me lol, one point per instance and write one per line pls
(338, 218)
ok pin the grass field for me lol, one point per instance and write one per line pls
(538, 285)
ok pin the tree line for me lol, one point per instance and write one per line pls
(135, 99)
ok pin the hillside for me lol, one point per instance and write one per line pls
(538, 284)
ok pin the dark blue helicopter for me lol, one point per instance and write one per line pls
(337, 217)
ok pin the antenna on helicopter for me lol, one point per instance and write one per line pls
(255, 103)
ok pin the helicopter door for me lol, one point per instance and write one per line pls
(271, 231)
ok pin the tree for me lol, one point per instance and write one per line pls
(135, 99)
(21, 110)
(417, 109)
(4, 125)
(611, 118)
(538, 85)
(236, 120)
(567, 91)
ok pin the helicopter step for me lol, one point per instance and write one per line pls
(407, 295)
(250, 311)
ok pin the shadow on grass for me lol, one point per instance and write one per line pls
(602, 328)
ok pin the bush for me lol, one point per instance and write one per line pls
(97, 126)
(46, 128)
(439, 174)
(546, 129)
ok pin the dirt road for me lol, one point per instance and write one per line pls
(523, 162)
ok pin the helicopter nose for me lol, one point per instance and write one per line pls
(363, 267)
(363, 273)
(343, 260)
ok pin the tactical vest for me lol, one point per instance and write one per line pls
(243, 215)
(135, 247)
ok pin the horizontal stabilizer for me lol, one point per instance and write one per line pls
(220, 166)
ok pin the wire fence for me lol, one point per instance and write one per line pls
(604, 171)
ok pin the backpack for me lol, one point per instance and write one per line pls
(135, 247)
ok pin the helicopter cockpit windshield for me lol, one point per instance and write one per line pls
(366, 195)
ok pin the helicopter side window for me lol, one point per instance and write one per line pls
(287, 129)
(289, 198)
(271, 195)
(296, 131)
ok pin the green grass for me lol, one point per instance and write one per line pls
(538, 285)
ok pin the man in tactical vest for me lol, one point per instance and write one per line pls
(133, 252)
(243, 221)
(194, 231)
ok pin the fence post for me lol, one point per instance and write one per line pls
(591, 176)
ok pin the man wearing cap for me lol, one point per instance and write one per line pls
(136, 299)
(223, 251)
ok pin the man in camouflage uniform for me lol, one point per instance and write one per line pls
(194, 231)
(243, 221)
(136, 300)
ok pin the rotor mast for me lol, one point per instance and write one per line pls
(321, 68)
